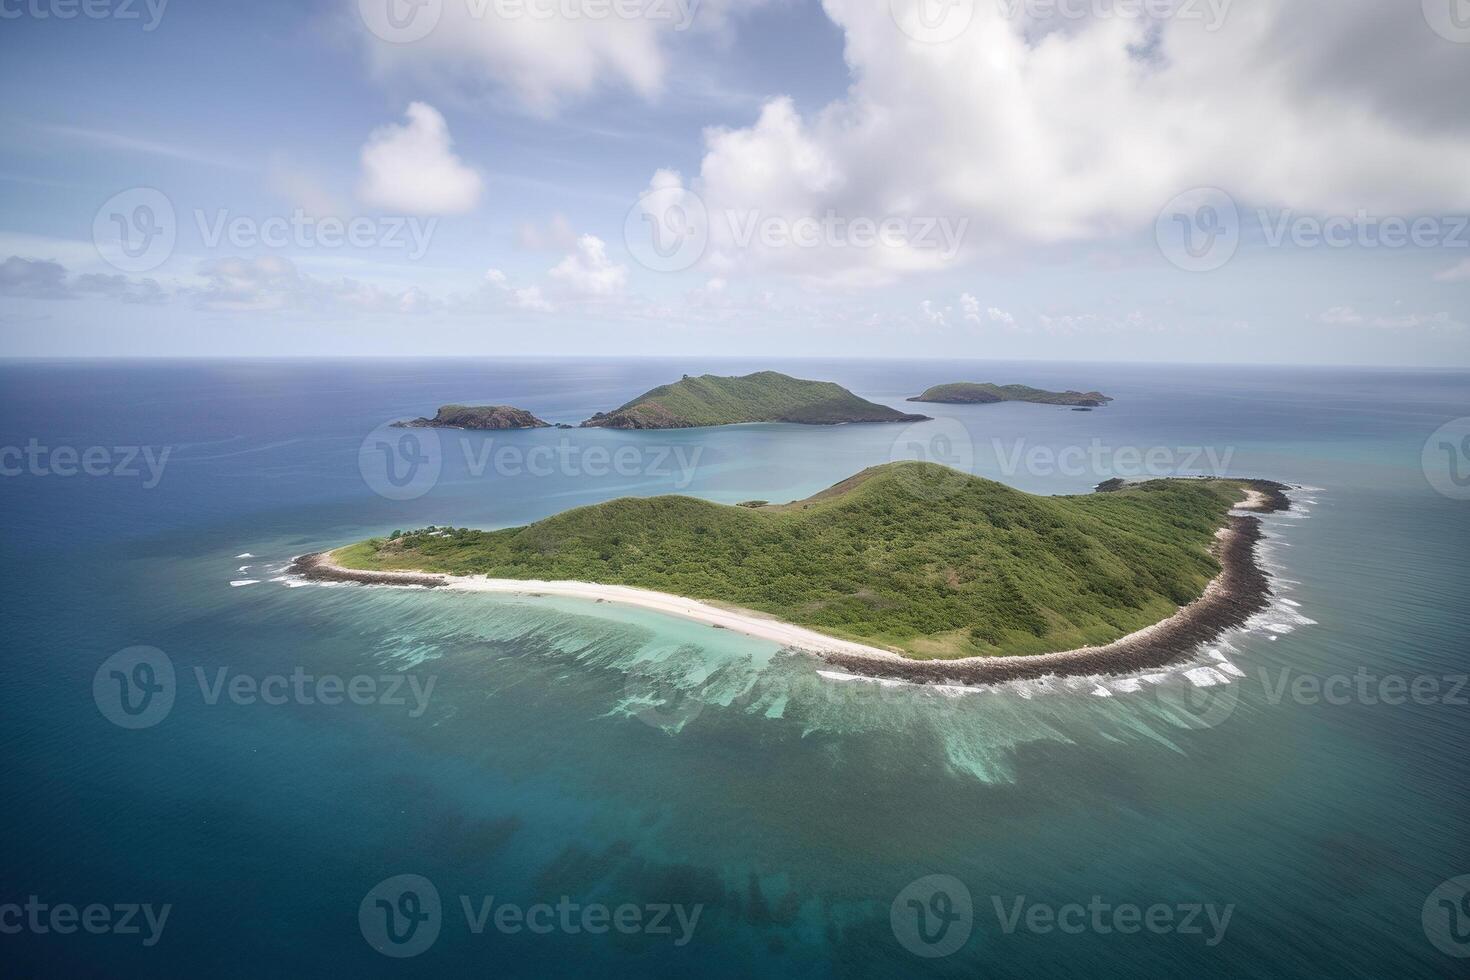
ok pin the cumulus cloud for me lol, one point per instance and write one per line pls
(33, 278)
(539, 61)
(974, 314)
(1455, 273)
(527, 298)
(588, 271)
(933, 314)
(412, 168)
(272, 283)
(557, 234)
(1084, 129)
(46, 279)
(1347, 316)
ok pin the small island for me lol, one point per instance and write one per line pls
(966, 393)
(908, 570)
(763, 397)
(476, 417)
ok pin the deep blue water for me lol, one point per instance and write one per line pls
(620, 758)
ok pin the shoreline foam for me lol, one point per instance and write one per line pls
(1239, 592)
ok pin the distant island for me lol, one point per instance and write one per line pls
(976, 582)
(966, 393)
(476, 417)
(763, 397)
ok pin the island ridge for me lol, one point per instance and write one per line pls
(476, 417)
(767, 396)
(966, 393)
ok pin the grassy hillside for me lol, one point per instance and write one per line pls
(764, 397)
(976, 568)
(966, 393)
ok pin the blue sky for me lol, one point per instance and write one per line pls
(975, 178)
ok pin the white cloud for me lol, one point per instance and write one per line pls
(520, 298)
(46, 279)
(1455, 273)
(934, 315)
(1347, 316)
(530, 298)
(589, 272)
(272, 283)
(1342, 316)
(1086, 131)
(412, 168)
(542, 61)
(558, 234)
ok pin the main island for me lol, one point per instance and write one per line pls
(908, 570)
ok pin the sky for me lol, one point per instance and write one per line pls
(1236, 181)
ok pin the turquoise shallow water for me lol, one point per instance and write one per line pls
(616, 757)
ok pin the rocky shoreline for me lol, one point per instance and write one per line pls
(1240, 591)
(317, 567)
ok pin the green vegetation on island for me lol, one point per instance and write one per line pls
(764, 397)
(966, 393)
(913, 557)
(476, 417)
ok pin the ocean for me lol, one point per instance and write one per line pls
(334, 779)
